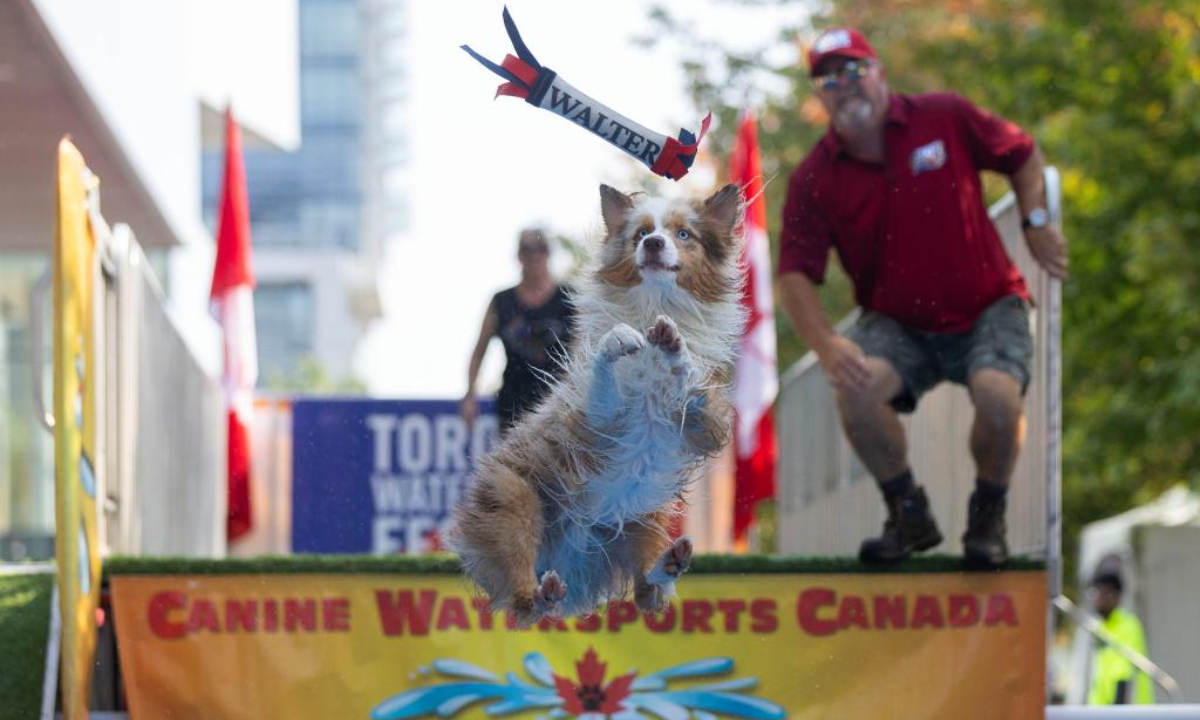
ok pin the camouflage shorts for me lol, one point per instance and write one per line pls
(1000, 340)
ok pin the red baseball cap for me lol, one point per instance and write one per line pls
(843, 41)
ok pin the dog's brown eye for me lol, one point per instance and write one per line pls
(683, 235)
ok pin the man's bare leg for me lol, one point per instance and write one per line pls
(875, 432)
(999, 429)
(996, 439)
(871, 424)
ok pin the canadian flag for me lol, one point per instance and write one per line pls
(755, 380)
(231, 302)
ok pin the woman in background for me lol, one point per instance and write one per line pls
(534, 322)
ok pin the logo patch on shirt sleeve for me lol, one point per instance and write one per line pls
(928, 157)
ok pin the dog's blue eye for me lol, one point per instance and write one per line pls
(683, 234)
(643, 233)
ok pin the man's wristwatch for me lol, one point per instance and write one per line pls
(1038, 218)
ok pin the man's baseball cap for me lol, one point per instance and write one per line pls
(1110, 578)
(843, 41)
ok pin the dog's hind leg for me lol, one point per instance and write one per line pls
(497, 532)
(638, 554)
(674, 561)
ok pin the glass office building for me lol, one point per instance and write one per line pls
(334, 199)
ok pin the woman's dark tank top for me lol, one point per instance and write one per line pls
(535, 340)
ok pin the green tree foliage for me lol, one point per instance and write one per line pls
(1111, 91)
(311, 377)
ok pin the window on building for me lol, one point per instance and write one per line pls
(329, 28)
(331, 224)
(330, 95)
(26, 448)
(284, 321)
(329, 164)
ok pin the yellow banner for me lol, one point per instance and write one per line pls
(748, 646)
(76, 547)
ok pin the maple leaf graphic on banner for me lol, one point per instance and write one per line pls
(590, 694)
(629, 697)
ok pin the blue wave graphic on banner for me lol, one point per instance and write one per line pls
(626, 697)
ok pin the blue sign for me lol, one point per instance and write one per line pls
(380, 476)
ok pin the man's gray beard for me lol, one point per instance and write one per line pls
(854, 114)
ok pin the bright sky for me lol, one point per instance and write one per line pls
(484, 168)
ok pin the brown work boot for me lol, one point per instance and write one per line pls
(909, 528)
(983, 542)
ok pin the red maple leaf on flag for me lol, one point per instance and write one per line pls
(590, 694)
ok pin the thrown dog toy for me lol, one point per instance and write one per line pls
(540, 86)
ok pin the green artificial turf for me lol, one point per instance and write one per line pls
(448, 565)
(24, 625)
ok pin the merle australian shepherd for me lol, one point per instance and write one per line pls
(572, 507)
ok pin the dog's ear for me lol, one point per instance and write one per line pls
(725, 208)
(614, 206)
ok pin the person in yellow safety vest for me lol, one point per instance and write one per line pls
(1115, 680)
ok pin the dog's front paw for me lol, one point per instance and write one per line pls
(622, 340)
(665, 335)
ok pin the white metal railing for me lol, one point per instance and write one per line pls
(1123, 712)
(1052, 399)
(160, 418)
(168, 430)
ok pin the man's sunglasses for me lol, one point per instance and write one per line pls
(852, 71)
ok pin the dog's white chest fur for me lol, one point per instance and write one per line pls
(648, 465)
(639, 394)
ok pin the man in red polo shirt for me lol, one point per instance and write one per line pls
(894, 188)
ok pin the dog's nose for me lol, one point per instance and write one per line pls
(654, 243)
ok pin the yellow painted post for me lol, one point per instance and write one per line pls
(75, 384)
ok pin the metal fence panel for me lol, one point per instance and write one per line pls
(166, 494)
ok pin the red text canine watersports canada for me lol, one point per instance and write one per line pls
(816, 611)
